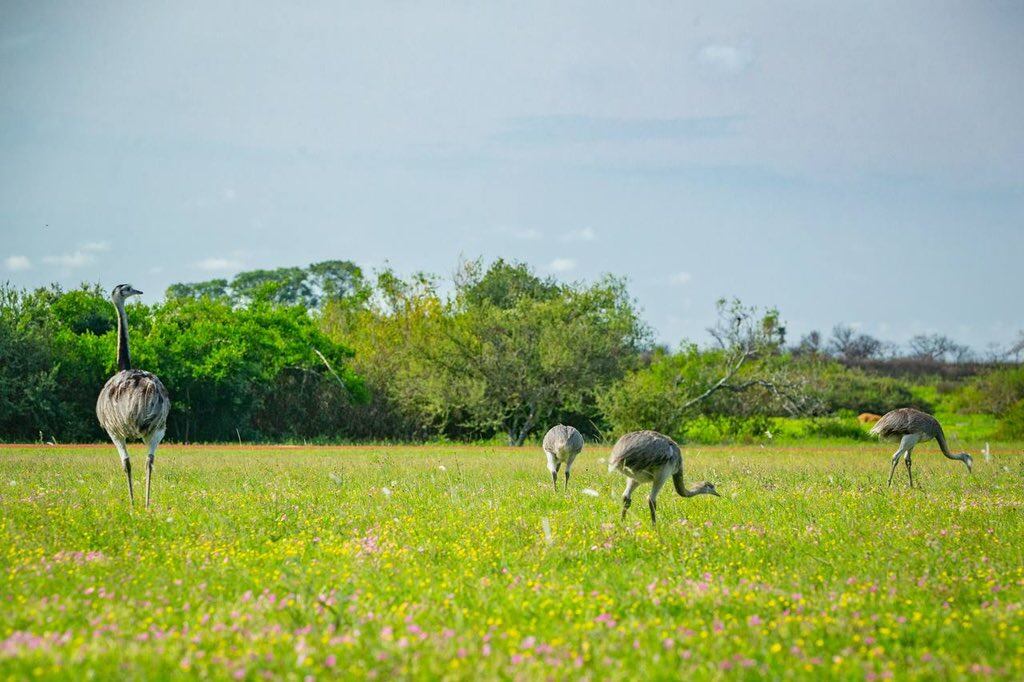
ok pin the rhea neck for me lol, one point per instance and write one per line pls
(699, 489)
(696, 490)
(941, 438)
(124, 358)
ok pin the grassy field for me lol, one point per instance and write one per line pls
(426, 562)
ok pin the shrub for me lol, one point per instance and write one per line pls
(1011, 426)
(832, 427)
(997, 392)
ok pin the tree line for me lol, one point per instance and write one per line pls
(327, 353)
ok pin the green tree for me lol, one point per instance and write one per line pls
(214, 288)
(506, 353)
(745, 374)
(311, 287)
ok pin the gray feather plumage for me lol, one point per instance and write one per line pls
(563, 442)
(905, 421)
(912, 427)
(645, 451)
(133, 405)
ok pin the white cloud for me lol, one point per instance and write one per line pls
(75, 259)
(96, 247)
(725, 58)
(562, 265)
(16, 263)
(524, 233)
(218, 264)
(681, 278)
(584, 235)
(83, 255)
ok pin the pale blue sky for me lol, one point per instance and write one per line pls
(853, 163)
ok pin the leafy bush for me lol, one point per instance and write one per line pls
(841, 388)
(835, 427)
(253, 371)
(718, 429)
(1011, 426)
(997, 392)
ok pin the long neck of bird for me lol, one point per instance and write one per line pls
(124, 358)
(941, 440)
(677, 481)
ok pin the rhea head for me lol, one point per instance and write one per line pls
(968, 460)
(705, 488)
(123, 291)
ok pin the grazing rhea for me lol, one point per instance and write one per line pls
(912, 427)
(133, 404)
(561, 445)
(648, 456)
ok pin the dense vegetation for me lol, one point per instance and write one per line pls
(325, 353)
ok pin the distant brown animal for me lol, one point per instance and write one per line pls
(868, 417)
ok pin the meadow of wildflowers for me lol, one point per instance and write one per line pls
(463, 563)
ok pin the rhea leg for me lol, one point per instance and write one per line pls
(126, 463)
(568, 467)
(906, 460)
(553, 466)
(627, 496)
(655, 489)
(907, 444)
(154, 441)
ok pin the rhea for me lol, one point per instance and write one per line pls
(133, 404)
(561, 445)
(912, 427)
(650, 457)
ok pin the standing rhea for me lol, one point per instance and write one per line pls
(133, 404)
(650, 457)
(561, 444)
(913, 426)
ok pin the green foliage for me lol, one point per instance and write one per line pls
(836, 427)
(745, 377)
(311, 287)
(503, 285)
(837, 387)
(709, 429)
(214, 288)
(320, 353)
(997, 392)
(228, 369)
(506, 353)
(1011, 426)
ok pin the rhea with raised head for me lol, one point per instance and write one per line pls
(133, 404)
(912, 427)
(651, 457)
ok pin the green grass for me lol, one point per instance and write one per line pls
(295, 562)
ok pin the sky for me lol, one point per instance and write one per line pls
(858, 163)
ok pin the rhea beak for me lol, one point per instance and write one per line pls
(716, 493)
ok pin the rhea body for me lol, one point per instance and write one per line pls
(651, 457)
(561, 446)
(912, 427)
(133, 404)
